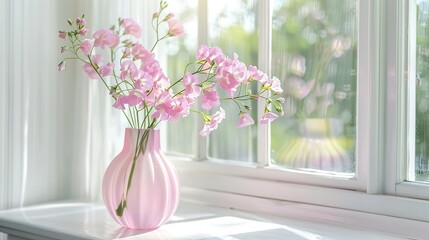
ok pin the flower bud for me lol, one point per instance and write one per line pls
(62, 34)
(163, 5)
(155, 15)
(83, 32)
(80, 22)
(70, 22)
(61, 66)
(247, 107)
(113, 90)
(63, 49)
(281, 100)
(255, 97)
(126, 53)
(169, 16)
(279, 109)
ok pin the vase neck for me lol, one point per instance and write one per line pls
(133, 135)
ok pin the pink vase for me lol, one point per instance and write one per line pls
(141, 192)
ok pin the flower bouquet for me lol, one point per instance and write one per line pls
(146, 96)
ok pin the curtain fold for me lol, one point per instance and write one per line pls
(58, 129)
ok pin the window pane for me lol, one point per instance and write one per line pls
(315, 57)
(232, 27)
(422, 93)
(181, 51)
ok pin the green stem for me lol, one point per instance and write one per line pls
(137, 114)
(105, 84)
(141, 145)
(132, 118)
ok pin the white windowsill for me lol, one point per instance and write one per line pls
(73, 220)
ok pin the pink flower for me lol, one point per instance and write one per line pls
(192, 90)
(275, 85)
(175, 27)
(62, 34)
(89, 70)
(210, 54)
(268, 117)
(179, 108)
(213, 123)
(83, 32)
(144, 83)
(140, 52)
(106, 70)
(151, 66)
(227, 81)
(245, 120)
(80, 21)
(169, 108)
(210, 97)
(231, 74)
(206, 130)
(105, 38)
(217, 55)
(163, 102)
(257, 74)
(203, 52)
(132, 99)
(131, 27)
(128, 69)
(86, 46)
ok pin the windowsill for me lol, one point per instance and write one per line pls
(73, 220)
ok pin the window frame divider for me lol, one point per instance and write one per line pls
(264, 62)
(202, 15)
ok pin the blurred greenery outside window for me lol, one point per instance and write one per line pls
(422, 92)
(182, 135)
(315, 56)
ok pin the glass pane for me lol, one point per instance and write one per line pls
(181, 51)
(232, 27)
(422, 93)
(315, 57)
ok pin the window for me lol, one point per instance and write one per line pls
(412, 168)
(315, 55)
(179, 53)
(353, 123)
(421, 142)
(319, 43)
(232, 27)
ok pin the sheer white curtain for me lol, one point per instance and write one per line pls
(58, 131)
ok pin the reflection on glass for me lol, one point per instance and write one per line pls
(232, 27)
(315, 56)
(422, 92)
(179, 53)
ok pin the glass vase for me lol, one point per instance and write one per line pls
(141, 186)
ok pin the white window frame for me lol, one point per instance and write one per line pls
(405, 81)
(379, 182)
